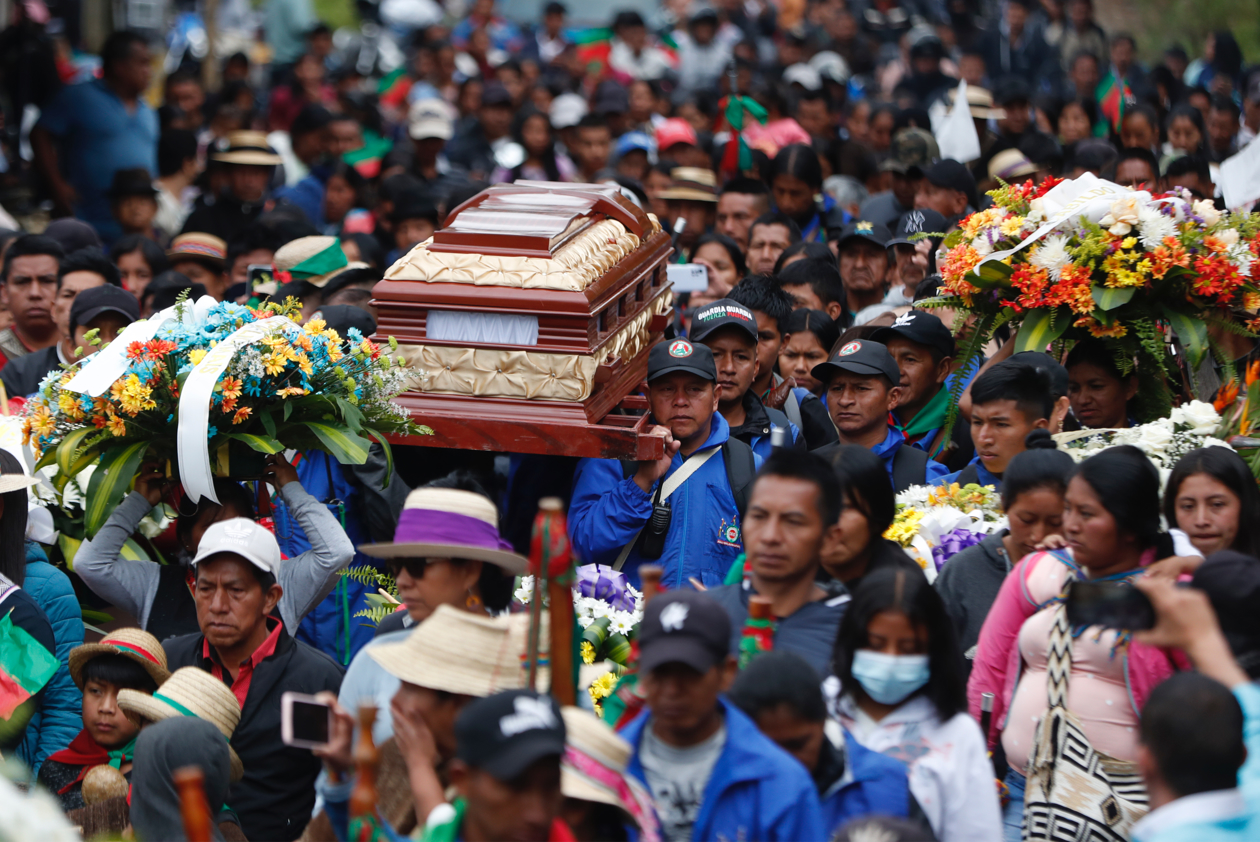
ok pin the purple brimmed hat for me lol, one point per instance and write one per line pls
(449, 523)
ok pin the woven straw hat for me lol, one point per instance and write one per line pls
(691, 183)
(246, 147)
(461, 652)
(190, 692)
(296, 252)
(15, 482)
(205, 248)
(135, 644)
(449, 523)
(594, 768)
(980, 103)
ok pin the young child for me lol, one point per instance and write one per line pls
(127, 658)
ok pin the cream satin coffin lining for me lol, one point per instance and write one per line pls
(574, 267)
(484, 372)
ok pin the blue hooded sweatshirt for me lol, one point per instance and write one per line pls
(757, 790)
(608, 510)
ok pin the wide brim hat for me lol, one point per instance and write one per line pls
(691, 184)
(246, 147)
(190, 692)
(134, 644)
(199, 246)
(315, 260)
(1010, 164)
(449, 523)
(460, 652)
(15, 482)
(980, 103)
(594, 769)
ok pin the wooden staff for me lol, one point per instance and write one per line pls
(193, 807)
(366, 761)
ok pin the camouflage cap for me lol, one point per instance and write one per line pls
(911, 149)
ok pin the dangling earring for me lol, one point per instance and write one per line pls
(473, 602)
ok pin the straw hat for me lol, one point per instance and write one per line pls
(204, 248)
(135, 644)
(315, 260)
(594, 769)
(16, 482)
(449, 523)
(1010, 164)
(980, 102)
(691, 184)
(190, 692)
(246, 147)
(460, 652)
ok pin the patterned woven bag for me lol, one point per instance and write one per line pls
(1075, 793)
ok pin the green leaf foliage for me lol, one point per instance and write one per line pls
(110, 482)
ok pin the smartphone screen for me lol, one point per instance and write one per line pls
(310, 722)
(1113, 605)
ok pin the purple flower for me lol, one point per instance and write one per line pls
(953, 543)
(599, 582)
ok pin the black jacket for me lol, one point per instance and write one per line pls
(969, 583)
(275, 798)
(21, 377)
(223, 216)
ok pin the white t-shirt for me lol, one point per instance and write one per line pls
(677, 777)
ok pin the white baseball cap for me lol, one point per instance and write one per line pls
(567, 110)
(430, 118)
(241, 536)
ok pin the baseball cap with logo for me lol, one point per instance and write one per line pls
(861, 356)
(430, 118)
(912, 149)
(672, 355)
(920, 328)
(508, 732)
(875, 232)
(722, 313)
(918, 221)
(242, 537)
(684, 627)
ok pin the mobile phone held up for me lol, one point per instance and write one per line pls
(305, 722)
(1113, 605)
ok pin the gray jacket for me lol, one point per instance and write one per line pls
(969, 583)
(133, 585)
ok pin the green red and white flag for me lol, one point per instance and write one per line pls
(737, 156)
(25, 666)
(1113, 97)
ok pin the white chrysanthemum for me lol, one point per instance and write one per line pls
(1052, 255)
(1240, 256)
(916, 496)
(622, 622)
(982, 246)
(1153, 226)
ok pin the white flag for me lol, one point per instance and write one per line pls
(1239, 179)
(957, 136)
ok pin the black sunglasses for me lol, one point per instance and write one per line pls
(415, 567)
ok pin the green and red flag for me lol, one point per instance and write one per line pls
(25, 666)
(737, 157)
(1113, 95)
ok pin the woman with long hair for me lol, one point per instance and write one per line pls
(1211, 496)
(795, 178)
(1099, 393)
(139, 260)
(1112, 527)
(808, 337)
(724, 262)
(901, 692)
(532, 129)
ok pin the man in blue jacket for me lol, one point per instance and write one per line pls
(694, 489)
(711, 773)
(861, 385)
(729, 330)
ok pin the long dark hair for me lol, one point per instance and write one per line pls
(731, 247)
(13, 523)
(1195, 116)
(548, 156)
(866, 486)
(1039, 466)
(1127, 486)
(816, 322)
(152, 253)
(1225, 466)
(896, 589)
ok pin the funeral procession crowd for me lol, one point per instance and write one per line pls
(647, 420)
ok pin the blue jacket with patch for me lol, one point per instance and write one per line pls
(757, 790)
(608, 510)
(60, 718)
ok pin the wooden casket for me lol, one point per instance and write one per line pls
(526, 322)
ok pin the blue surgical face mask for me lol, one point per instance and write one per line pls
(890, 679)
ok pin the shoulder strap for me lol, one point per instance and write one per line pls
(792, 409)
(668, 487)
(741, 469)
(1059, 659)
(909, 467)
(968, 475)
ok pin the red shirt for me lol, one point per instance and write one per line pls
(245, 674)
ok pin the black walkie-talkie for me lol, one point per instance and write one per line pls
(654, 531)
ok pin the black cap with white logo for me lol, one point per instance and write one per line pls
(508, 732)
(672, 355)
(861, 356)
(684, 627)
(921, 328)
(722, 313)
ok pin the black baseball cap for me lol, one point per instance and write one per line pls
(1231, 581)
(952, 175)
(342, 317)
(494, 93)
(506, 733)
(917, 221)
(685, 627)
(1047, 365)
(861, 356)
(875, 232)
(681, 355)
(103, 299)
(921, 328)
(722, 313)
